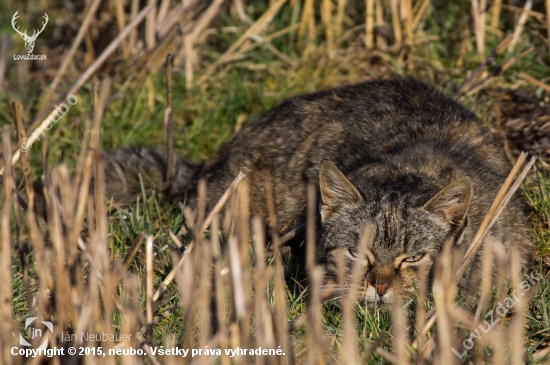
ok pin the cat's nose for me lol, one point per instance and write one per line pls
(381, 288)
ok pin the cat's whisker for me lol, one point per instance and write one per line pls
(333, 285)
(335, 298)
(322, 277)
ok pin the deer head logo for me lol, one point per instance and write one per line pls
(29, 40)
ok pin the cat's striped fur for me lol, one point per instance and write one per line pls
(396, 154)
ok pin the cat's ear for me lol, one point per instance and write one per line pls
(336, 189)
(452, 202)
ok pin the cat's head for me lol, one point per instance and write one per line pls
(398, 238)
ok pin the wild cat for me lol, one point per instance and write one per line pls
(393, 154)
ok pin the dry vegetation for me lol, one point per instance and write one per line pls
(184, 76)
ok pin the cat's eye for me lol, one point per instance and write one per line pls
(413, 258)
(353, 252)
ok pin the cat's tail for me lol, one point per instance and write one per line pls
(124, 166)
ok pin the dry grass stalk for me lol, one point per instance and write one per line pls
(534, 81)
(478, 14)
(72, 51)
(240, 10)
(280, 307)
(4, 46)
(102, 280)
(129, 310)
(496, 71)
(132, 39)
(204, 296)
(388, 356)
(315, 354)
(82, 155)
(61, 247)
(340, 13)
(379, 11)
(17, 110)
(307, 22)
(373, 347)
(444, 290)
(5, 250)
(348, 298)
(168, 119)
(186, 282)
(535, 14)
(547, 3)
(220, 289)
(163, 11)
(189, 60)
(499, 337)
(488, 61)
(21, 249)
(418, 14)
(263, 40)
(369, 34)
(149, 286)
(399, 324)
(506, 65)
(99, 174)
(274, 50)
(326, 16)
(89, 56)
(150, 25)
(426, 351)
(519, 324)
(489, 246)
(191, 39)
(84, 182)
(132, 252)
(541, 354)
(407, 13)
(463, 48)
(342, 293)
(242, 230)
(179, 14)
(266, 333)
(175, 239)
(310, 228)
(203, 228)
(503, 196)
(255, 28)
(292, 233)
(36, 235)
(119, 10)
(420, 312)
(396, 21)
(521, 22)
(497, 5)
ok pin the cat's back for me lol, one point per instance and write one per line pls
(399, 124)
(356, 124)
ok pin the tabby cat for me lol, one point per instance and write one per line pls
(396, 155)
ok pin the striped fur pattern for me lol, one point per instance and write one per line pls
(395, 155)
